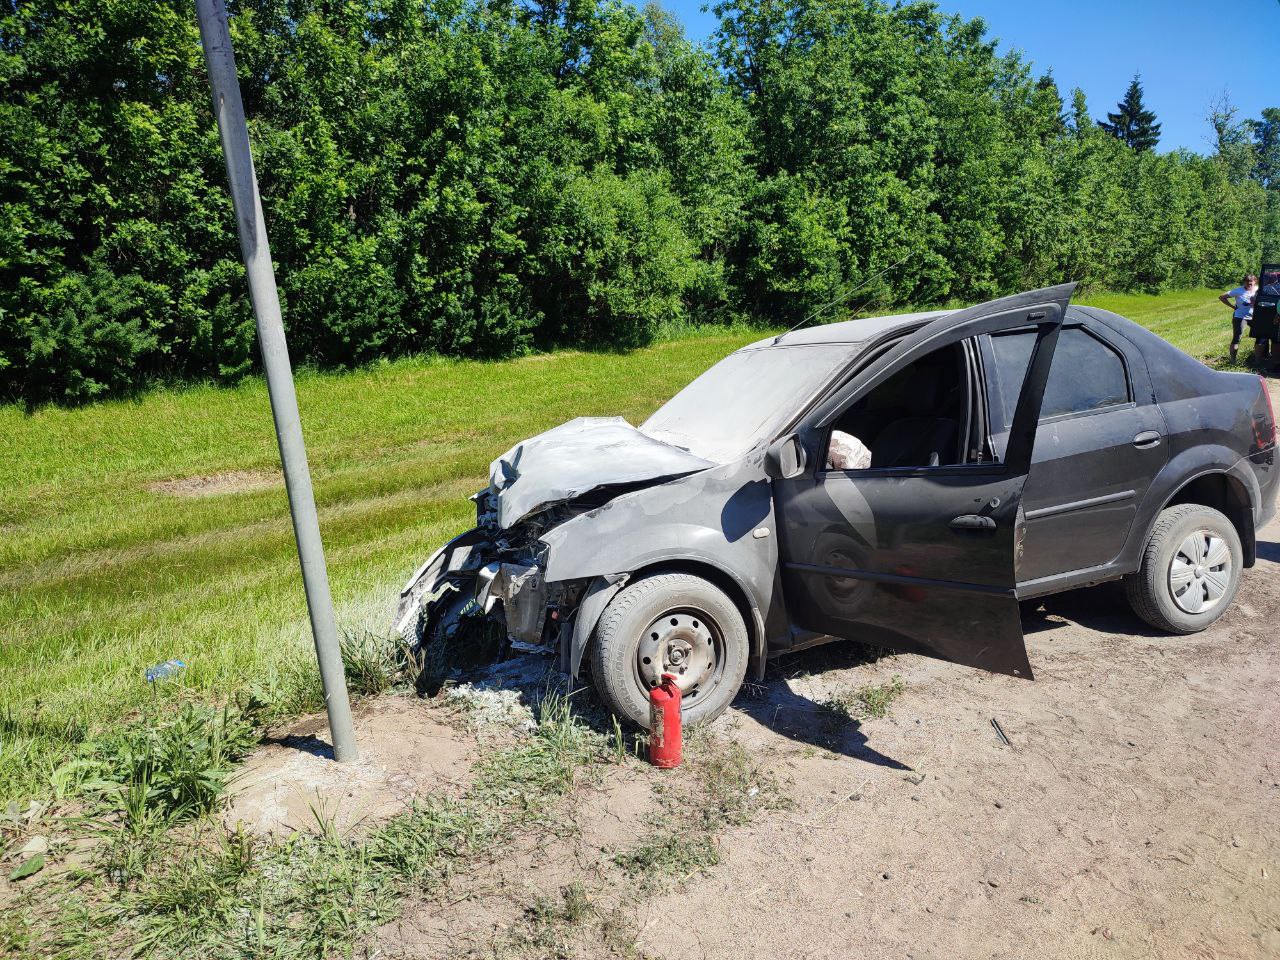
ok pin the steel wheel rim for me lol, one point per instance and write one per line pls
(1200, 572)
(684, 642)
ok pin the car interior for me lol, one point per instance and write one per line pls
(930, 413)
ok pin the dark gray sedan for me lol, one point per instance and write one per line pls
(901, 481)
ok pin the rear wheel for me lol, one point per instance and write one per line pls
(1190, 570)
(670, 623)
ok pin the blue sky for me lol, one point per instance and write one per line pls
(1188, 51)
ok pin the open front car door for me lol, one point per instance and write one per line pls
(918, 551)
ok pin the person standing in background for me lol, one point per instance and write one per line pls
(1241, 309)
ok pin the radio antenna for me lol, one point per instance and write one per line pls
(839, 300)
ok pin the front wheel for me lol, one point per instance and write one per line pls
(670, 623)
(1190, 570)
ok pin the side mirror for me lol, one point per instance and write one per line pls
(785, 458)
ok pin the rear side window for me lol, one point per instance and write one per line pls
(1087, 374)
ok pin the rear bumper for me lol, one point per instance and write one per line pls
(1267, 474)
(1266, 513)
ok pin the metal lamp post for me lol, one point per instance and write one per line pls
(229, 109)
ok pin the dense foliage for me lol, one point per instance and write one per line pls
(486, 176)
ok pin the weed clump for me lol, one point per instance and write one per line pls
(727, 788)
(166, 768)
(171, 883)
(867, 702)
(372, 663)
(559, 927)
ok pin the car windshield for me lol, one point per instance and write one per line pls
(727, 410)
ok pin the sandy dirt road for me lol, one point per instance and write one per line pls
(1134, 813)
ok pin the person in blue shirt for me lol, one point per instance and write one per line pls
(1241, 309)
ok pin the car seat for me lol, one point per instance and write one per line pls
(921, 438)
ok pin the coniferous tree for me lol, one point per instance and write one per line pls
(1047, 88)
(1132, 122)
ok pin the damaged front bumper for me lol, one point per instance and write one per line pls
(480, 598)
(431, 581)
(462, 567)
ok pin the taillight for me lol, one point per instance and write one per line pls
(1265, 433)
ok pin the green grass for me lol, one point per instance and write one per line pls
(720, 786)
(180, 887)
(101, 575)
(866, 702)
(1192, 320)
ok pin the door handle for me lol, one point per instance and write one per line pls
(1148, 438)
(971, 521)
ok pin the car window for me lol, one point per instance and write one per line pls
(919, 417)
(1087, 374)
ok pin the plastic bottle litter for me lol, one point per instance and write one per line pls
(164, 671)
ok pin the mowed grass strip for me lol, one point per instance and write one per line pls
(1192, 320)
(102, 572)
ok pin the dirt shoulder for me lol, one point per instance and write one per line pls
(1133, 812)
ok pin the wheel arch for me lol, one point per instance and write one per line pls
(1221, 491)
(584, 633)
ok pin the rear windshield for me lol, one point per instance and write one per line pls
(730, 408)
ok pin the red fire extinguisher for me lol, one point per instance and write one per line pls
(664, 723)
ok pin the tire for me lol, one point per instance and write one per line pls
(697, 627)
(1190, 570)
(451, 633)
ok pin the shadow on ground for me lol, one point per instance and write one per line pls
(799, 718)
(778, 705)
(1103, 608)
(310, 744)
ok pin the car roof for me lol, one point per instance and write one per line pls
(850, 331)
(864, 329)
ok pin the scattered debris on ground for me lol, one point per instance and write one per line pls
(503, 694)
(405, 752)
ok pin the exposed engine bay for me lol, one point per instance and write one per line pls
(485, 596)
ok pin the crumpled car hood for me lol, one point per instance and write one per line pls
(576, 458)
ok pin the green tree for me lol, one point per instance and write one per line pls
(479, 177)
(1271, 228)
(1266, 143)
(1132, 123)
(1266, 170)
(1047, 91)
(1232, 142)
(1079, 121)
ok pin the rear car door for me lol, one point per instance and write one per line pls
(919, 559)
(1099, 445)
